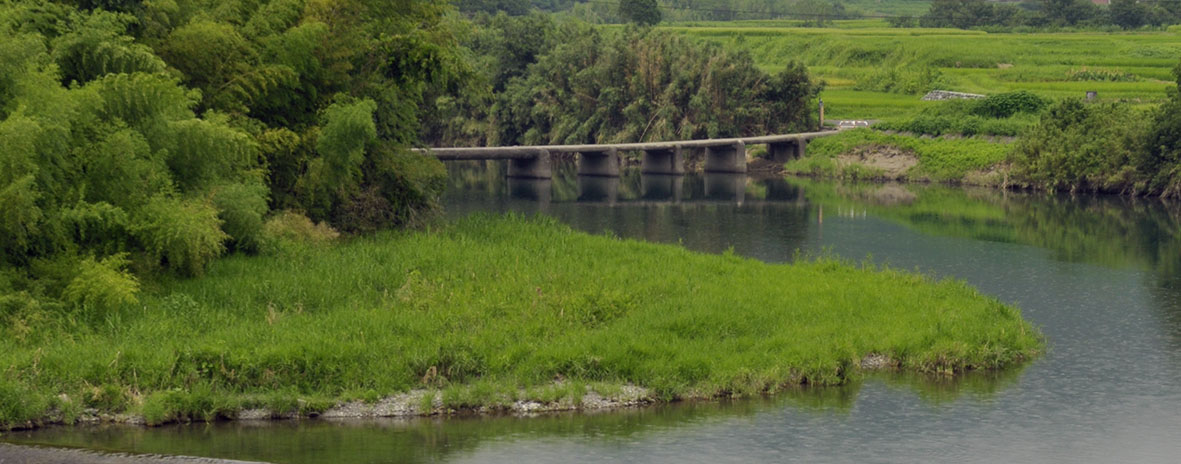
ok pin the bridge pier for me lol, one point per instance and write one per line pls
(537, 167)
(786, 151)
(663, 161)
(599, 163)
(726, 158)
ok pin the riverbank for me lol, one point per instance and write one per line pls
(488, 314)
(866, 154)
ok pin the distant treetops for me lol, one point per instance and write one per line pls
(642, 12)
(965, 14)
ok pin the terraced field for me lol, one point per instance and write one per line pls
(873, 71)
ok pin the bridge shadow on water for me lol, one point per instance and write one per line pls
(488, 179)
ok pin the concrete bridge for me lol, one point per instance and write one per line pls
(721, 155)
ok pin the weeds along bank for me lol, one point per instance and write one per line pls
(486, 312)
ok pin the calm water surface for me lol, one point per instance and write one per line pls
(1100, 276)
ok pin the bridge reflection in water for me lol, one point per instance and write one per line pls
(653, 189)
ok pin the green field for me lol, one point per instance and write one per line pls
(485, 312)
(848, 57)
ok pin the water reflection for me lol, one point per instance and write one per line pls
(536, 190)
(598, 189)
(1115, 232)
(657, 187)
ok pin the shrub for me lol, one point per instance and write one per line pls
(1161, 157)
(103, 285)
(241, 208)
(1003, 105)
(1077, 146)
(182, 235)
(289, 228)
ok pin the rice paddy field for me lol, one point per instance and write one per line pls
(873, 71)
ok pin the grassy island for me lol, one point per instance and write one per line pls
(489, 311)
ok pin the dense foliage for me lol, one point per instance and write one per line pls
(565, 82)
(1080, 146)
(145, 137)
(1077, 146)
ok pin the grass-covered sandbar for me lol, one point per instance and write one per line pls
(485, 313)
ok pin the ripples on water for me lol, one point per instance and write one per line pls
(1100, 276)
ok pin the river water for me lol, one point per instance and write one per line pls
(1101, 276)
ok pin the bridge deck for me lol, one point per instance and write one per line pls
(531, 151)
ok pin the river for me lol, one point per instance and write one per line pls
(1101, 276)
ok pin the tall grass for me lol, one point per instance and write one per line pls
(486, 308)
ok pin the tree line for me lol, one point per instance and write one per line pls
(966, 14)
(812, 12)
(551, 81)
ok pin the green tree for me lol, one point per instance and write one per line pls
(1128, 14)
(639, 84)
(642, 12)
(1161, 156)
(1068, 12)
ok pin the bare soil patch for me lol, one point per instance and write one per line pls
(892, 162)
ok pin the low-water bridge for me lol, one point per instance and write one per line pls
(721, 155)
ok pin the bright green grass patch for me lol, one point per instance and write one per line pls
(488, 307)
(938, 159)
